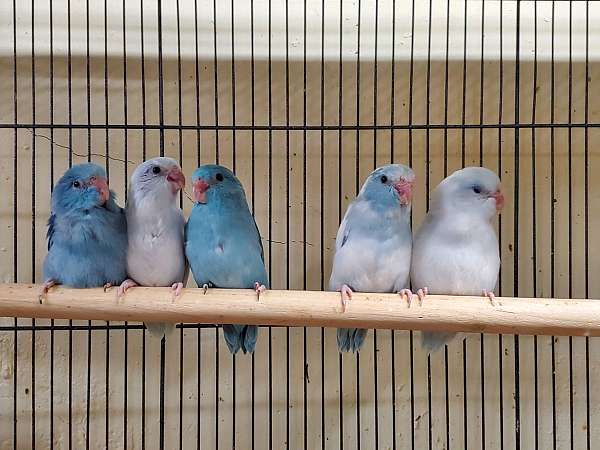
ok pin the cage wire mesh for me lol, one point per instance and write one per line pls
(303, 100)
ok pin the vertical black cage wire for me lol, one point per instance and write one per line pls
(302, 100)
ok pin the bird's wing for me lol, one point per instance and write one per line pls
(344, 230)
(50, 233)
(262, 252)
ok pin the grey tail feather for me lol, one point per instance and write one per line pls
(432, 342)
(350, 339)
(160, 329)
(231, 335)
(240, 337)
(343, 339)
(249, 337)
(358, 338)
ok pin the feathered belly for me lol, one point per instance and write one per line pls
(159, 265)
(371, 269)
(460, 276)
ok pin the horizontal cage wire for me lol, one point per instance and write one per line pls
(303, 100)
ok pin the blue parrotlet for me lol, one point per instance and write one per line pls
(373, 244)
(223, 245)
(87, 232)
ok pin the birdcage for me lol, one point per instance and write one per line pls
(302, 100)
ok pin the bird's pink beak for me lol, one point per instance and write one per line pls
(176, 178)
(200, 187)
(102, 186)
(499, 199)
(404, 189)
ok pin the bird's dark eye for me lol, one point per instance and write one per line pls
(76, 184)
(156, 170)
(477, 189)
(384, 179)
(219, 177)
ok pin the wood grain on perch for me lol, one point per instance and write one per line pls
(540, 316)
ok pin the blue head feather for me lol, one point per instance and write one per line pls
(383, 184)
(223, 184)
(74, 191)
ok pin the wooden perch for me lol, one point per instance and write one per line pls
(308, 308)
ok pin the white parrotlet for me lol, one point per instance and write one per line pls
(455, 250)
(373, 244)
(155, 227)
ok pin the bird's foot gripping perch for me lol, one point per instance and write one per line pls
(176, 289)
(346, 293)
(422, 293)
(204, 288)
(491, 296)
(45, 287)
(408, 294)
(107, 286)
(259, 288)
(128, 283)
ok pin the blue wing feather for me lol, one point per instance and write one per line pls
(262, 252)
(50, 233)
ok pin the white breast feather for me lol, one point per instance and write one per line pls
(448, 264)
(371, 262)
(155, 255)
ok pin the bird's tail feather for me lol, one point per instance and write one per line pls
(350, 339)
(250, 335)
(240, 337)
(160, 329)
(432, 342)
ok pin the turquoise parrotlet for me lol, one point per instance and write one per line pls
(223, 245)
(87, 232)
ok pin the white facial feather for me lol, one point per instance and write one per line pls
(455, 193)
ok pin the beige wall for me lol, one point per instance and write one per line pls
(489, 395)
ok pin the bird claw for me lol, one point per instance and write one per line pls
(204, 288)
(346, 293)
(176, 288)
(409, 295)
(259, 288)
(45, 287)
(491, 296)
(421, 293)
(106, 286)
(128, 283)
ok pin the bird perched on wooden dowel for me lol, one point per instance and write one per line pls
(87, 232)
(155, 222)
(223, 245)
(373, 244)
(455, 250)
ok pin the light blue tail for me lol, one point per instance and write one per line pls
(350, 339)
(240, 337)
(432, 342)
